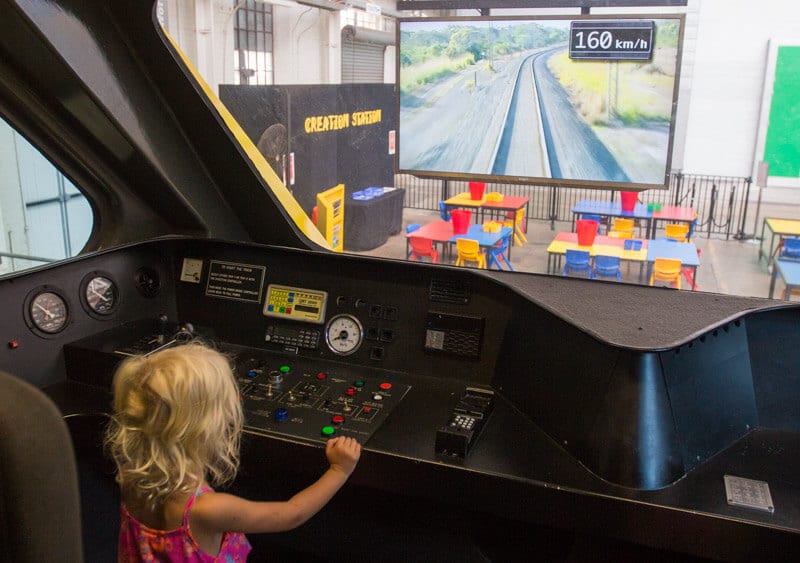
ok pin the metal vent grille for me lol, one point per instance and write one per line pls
(449, 291)
(454, 334)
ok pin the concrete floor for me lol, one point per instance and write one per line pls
(726, 266)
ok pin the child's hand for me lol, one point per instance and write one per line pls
(343, 453)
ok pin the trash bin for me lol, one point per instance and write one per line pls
(628, 200)
(586, 230)
(476, 190)
(461, 219)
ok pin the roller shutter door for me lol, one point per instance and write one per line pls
(361, 62)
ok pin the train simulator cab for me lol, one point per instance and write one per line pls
(503, 416)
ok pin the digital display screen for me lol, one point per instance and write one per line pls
(586, 101)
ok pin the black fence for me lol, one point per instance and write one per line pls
(721, 202)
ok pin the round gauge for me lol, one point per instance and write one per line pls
(100, 294)
(148, 282)
(48, 312)
(344, 334)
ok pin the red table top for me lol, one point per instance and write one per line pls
(438, 231)
(674, 213)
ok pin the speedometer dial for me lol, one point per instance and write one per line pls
(48, 312)
(344, 334)
(101, 295)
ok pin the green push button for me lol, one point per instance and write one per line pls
(358, 383)
(328, 430)
(285, 369)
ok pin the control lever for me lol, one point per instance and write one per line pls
(465, 423)
(163, 324)
(185, 333)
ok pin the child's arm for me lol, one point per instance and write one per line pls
(219, 512)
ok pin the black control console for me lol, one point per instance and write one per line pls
(313, 400)
(283, 394)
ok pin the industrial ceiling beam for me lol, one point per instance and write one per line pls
(498, 4)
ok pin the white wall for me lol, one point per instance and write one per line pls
(728, 78)
(306, 45)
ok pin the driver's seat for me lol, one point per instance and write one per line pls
(40, 517)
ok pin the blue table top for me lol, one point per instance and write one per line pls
(790, 271)
(484, 238)
(612, 209)
(686, 252)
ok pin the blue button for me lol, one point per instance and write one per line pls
(280, 415)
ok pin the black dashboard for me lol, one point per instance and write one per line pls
(471, 392)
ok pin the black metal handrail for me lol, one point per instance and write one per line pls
(721, 202)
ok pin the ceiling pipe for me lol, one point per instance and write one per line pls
(368, 35)
(360, 4)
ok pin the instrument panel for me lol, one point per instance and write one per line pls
(399, 360)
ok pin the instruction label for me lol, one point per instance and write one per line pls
(229, 280)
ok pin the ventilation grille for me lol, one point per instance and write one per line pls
(454, 334)
(449, 291)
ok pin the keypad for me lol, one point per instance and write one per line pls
(463, 421)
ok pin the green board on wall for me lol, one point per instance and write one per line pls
(782, 148)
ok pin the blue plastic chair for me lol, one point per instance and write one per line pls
(498, 252)
(607, 266)
(692, 227)
(445, 215)
(577, 261)
(791, 249)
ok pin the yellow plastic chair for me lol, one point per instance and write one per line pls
(469, 251)
(677, 231)
(620, 234)
(667, 270)
(515, 220)
(623, 225)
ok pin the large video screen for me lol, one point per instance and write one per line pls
(586, 101)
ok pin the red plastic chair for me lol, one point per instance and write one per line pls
(423, 247)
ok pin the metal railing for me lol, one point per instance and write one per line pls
(721, 202)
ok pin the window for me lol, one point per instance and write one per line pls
(724, 126)
(43, 216)
(252, 37)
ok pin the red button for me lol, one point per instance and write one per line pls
(367, 409)
(350, 391)
(321, 375)
(337, 419)
(385, 386)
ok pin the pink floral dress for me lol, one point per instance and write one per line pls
(138, 543)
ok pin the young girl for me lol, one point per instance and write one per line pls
(176, 428)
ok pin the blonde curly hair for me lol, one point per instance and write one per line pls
(177, 420)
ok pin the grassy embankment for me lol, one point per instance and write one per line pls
(431, 70)
(638, 93)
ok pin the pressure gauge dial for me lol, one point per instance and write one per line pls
(48, 312)
(100, 294)
(344, 334)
